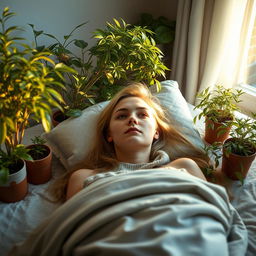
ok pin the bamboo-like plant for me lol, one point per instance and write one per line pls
(26, 91)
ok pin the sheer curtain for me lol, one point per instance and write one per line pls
(211, 37)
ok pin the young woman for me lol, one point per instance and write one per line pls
(132, 133)
(123, 210)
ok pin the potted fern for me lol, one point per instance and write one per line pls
(239, 150)
(122, 52)
(26, 92)
(218, 107)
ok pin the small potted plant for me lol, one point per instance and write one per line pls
(13, 178)
(26, 92)
(39, 169)
(218, 108)
(239, 150)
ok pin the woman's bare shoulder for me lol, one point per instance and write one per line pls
(76, 181)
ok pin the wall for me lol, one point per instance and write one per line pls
(59, 17)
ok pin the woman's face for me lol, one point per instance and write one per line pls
(132, 124)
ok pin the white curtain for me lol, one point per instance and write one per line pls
(211, 38)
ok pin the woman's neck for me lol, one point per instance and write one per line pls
(133, 157)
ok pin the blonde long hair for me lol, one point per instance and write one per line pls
(102, 156)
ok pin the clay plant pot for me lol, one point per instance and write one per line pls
(58, 117)
(215, 132)
(39, 171)
(16, 187)
(235, 166)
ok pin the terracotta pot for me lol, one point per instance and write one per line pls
(39, 171)
(212, 129)
(16, 187)
(234, 164)
(58, 117)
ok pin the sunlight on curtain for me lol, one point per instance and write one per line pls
(247, 46)
(211, 42)
(224, 43)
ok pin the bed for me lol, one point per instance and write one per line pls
(67, 140)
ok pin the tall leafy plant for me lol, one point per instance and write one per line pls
(26, 91)
(75, 95)
(124, 52)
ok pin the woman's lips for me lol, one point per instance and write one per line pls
(133, 130)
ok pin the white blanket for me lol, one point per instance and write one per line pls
(146, 212)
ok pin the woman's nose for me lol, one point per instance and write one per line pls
(132, 120)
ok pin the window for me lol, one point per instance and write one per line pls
(247, 75)
(250, 76)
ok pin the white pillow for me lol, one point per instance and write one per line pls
(72, 139)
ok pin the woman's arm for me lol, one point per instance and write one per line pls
(76, 181)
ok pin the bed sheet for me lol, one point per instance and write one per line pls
(243, 196)
(20, 218)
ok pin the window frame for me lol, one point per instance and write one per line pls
(248, 99)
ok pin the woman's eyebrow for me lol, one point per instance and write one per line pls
(126, 109)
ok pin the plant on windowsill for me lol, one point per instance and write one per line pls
(122, 53)
(26, 91)
(239, 150)
(218, 107)
(39, 170)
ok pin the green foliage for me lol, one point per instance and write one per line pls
(75, 95)
(164, 29)
(27, 86)
(8, 161)
(243, 134)
(124, 52)
(38, 140)
(38, 150)
(218, 105)
(213, 151)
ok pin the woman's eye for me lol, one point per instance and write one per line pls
(142, 115)
(120, 117)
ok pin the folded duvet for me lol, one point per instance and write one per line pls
(145, 212)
